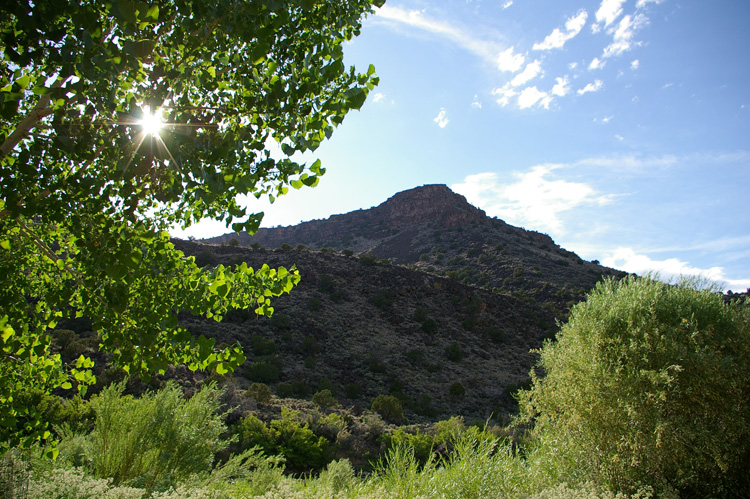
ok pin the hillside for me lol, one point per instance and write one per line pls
(423, 297)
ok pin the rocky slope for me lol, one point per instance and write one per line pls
(423, 297)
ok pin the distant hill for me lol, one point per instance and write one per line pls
(423, 297)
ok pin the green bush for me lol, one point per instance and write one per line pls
(281, 321)
(389, 407)
(262, 371)
(429, 326)
(457, 391)
(420, 314)
(156, 440)
(368, 259)
(262, 346)
(353, 391)
(260, 392)
(453, 352)
(384, 299)
(648, 383)
(324, 399)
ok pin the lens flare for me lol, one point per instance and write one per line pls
(151, 123)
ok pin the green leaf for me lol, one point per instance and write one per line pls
(7, 333)
(5, 244)
(117, 272)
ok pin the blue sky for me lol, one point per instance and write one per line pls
(621, 128)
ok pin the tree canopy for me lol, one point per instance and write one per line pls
(88, 190)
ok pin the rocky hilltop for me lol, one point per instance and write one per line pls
(435, 230)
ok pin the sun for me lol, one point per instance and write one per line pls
(151, 123)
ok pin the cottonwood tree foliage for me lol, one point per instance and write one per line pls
(86, 193)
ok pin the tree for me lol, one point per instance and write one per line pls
(647, 384)
(89, 185)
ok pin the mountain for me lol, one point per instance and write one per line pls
(433, 229)
(423, 297)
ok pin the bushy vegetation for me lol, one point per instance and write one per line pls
(647, 384)
(642, 394)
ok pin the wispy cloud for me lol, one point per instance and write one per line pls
(622, 36)
(635, 64)
(534, 199)
(441, 119)
(509, 3)
(476, 103)
(591, 87)
(378, 97)
(557, 38)
(640, 4)
(503, 58)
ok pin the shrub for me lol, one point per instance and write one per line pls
(457, 391)
(384, 299)
(281, 321)
(453, 352)
(262, 346)
(347, 252)
(314, 304)
(416, 356)
(260, 392)
(389, 407)
(262, 371)
(353, 391)
(647, 383)
(155, 440)
(368, 259)
(285, 246)
(420, 314)
(429, 326)
(324, 399)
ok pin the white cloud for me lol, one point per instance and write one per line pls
(622, 36)
(628, 260)
(507, 4)
(606, 119)
(487, 50)
(591, 87)
(596, 63)
(640, 4)
(562, 87)
(441, 119)
(619, 137)
(508, 61)
(609, 10)
(572, 65)
(532, 95)
(534, 200)
(506, 93)
(377, 97)
(557, 38)
(635, 64)
(531, 71)
(476, 103)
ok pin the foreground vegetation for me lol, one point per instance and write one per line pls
(644, 394)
